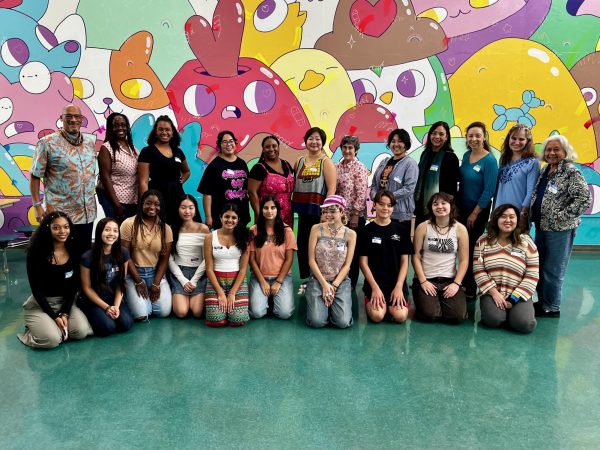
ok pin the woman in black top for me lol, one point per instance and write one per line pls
(162, 165)
(225, 180)
(438, 169)
(51, 317)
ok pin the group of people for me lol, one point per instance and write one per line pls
(152, 254)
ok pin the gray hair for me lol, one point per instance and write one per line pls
(564, 143)
(352, 140)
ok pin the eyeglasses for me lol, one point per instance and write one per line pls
(227, 143)
(330, 210)
(72, 116)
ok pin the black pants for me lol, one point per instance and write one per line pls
(475, 233)
(354, 268)
(82, 234)
(305, 223)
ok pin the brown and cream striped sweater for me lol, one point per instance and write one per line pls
(510, 269)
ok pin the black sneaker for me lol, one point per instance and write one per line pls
(541, 312)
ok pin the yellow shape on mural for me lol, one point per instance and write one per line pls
(7, 187)
(485, 88)
(272, 28)
(321, 85)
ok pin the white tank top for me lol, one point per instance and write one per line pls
(439, 255)
(225, 259)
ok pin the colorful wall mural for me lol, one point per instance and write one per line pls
(280, 66)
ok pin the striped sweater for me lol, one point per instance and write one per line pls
(510, 269)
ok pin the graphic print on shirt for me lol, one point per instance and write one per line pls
(237, 179)
(440, 245)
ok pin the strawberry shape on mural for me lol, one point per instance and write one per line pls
(222, 91)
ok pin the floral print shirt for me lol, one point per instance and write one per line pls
(352, 178)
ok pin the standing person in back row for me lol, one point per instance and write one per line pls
(66, 160)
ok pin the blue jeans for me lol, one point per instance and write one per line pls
(283, 301)
(142, 307)
(554, 248)
(339, 313)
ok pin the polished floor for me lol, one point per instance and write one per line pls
(177, 384)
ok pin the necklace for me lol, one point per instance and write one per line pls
(76, 140)
(439, 229)
(333, 230)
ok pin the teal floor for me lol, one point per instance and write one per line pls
(273, 384)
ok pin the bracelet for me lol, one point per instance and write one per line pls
(141, 281)
(107, 308)
(335, 286)
(36, 204)
(154, 285)
(456, 283)
(278, 282)
(423, 282)
(62, 314)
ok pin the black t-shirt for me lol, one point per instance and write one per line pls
(385, 173)
(226, 182)
(259, 171)
(112, 270)
(384, 246)
(163, 170)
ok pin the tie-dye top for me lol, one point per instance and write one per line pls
(69, 175)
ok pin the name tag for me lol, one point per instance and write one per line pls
(177, 159)
(518, 253)
(313, 169)
(114, 269)
(552, 188)
(376, 240)
(69, 274)
(341, 246)
(398, 180)
(434, 168)
(195, 258)
(477, 168)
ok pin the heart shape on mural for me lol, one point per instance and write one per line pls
(373, 19)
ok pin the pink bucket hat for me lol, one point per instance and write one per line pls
(334, 200)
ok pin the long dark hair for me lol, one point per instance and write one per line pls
(111, 137)
(138, 219)
(98, 269)
(175, 139)
(447, 198)
(41, 244)
(178, 222)
(261, 226)
(447, 145)
(240, 232)
(493, 231)
(481, 125)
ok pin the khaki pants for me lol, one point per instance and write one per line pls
(41, 330)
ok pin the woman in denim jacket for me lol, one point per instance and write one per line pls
(559, 198)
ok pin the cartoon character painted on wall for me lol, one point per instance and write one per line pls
(472, 24)
(29, 52)
(320, 83)
(272, 28)
(222, 91)
(583, 7)
(540, 71)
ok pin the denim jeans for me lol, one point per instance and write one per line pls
(339, 313)
(142, 307)
(554, 248)
(283, 301)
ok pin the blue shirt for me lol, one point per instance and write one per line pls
(516, 181)
(477, 181)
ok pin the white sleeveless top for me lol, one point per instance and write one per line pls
(225, 259)
(439, 254)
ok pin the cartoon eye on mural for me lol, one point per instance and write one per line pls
(222, 91)
(470, 25)
(583, 7)
(272, 28)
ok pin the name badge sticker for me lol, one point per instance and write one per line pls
(194, 258)
(69, 274)
(477, 168)
(341, 246)
(434, 168)
(177, 159)
(552, 188)
(376, 240)
(398, 180)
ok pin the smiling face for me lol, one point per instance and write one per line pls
(187, 210)
(554, 153)
(475, 138)
(110, 234)
(229, 219)
(71, 118)
(270, 150)
(438, 138)
(507, 222)
(60, 230)
(440, 207)
(332, 214)
(151, 207)
(164, 131)
(314, 144)
(269, 210)
(228, 145)
(518, 141)
(120, 127)
(397, 147)
(383, 208)
(348, 152)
